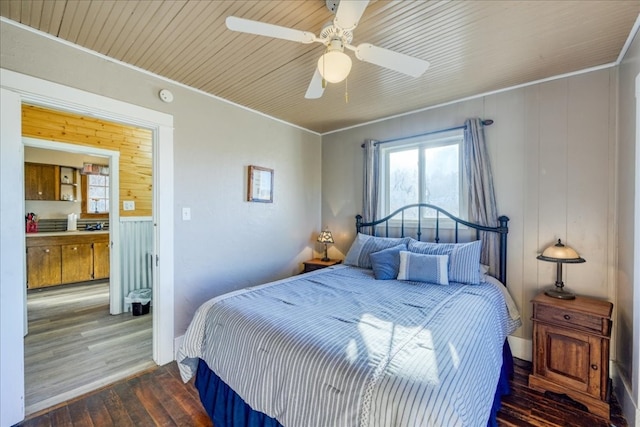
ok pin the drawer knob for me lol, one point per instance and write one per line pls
(594, 367)
(46, 251)
(567, 317)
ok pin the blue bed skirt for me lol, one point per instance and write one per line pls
(227, 409)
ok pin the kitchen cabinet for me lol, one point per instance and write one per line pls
(77, 262)
(43, 265)
(61, 258)
(68, 184)
(101, 260)
(50, 182)
(41, 181)
(571, 349)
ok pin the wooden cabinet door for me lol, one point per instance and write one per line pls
(101, 260)
(569, 358)
(43, 266)
(41, 181)
(31, 185)
(77, 263)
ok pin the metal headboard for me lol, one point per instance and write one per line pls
(502, 229)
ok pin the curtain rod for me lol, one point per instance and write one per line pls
(487, 122)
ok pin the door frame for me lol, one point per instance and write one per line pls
(16, 89)
(115, 288)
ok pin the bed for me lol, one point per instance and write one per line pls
(379, 341)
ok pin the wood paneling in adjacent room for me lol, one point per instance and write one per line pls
(133, 143)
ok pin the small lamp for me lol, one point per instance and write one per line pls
(560, 254)
(325, 237)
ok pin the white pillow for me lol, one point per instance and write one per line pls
(424, 268)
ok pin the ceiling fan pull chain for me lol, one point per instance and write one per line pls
(346, 90)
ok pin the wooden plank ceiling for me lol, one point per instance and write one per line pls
(473, 47)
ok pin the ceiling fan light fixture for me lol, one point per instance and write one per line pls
(334, 66)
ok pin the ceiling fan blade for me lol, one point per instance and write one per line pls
(349, 13)
(263, 29)
(315, 89)
(400, 62)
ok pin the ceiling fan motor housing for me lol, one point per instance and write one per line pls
(331, 32)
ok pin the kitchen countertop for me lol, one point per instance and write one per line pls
(66, 233)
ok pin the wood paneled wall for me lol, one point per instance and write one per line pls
(133, 143)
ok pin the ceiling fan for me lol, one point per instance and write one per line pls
(334, 65)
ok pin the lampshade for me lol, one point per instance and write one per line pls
(334, 66)
(560, 253)
(325, 237)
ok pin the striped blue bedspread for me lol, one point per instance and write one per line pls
(337, 348)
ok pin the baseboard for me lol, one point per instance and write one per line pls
(521, 348)
(623, 392)
(177, 342)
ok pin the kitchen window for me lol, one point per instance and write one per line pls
(95, 201)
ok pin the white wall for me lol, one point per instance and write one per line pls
(552, 149)
(628, 278)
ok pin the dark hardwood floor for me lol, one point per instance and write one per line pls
(158, 397)
(527, 407)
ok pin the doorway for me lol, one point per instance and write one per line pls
(79, 338)
(17, 89)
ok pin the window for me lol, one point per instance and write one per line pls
(424, 171)
(95, 195)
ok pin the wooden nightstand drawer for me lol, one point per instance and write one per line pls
(570, 319)
(583, 314)
(317, 264)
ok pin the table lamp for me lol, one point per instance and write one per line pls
(560, 254)
(325, 237)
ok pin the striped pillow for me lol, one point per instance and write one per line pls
(423, 268)
(464, 258)
(365, 245)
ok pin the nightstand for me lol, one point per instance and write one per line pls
(317, 264)
(571, 349)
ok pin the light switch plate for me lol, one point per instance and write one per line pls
(129, 205)
(186, 214)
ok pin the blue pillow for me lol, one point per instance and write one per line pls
(365, 245)
(464, 258)
(423, 268)
(385, 263)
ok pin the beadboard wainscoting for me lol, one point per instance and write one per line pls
(136, 255)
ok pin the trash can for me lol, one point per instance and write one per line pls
(140, 300)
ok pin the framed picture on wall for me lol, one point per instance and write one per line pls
(260, 185)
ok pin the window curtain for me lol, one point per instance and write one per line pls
(370, 181)
(482, 200)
